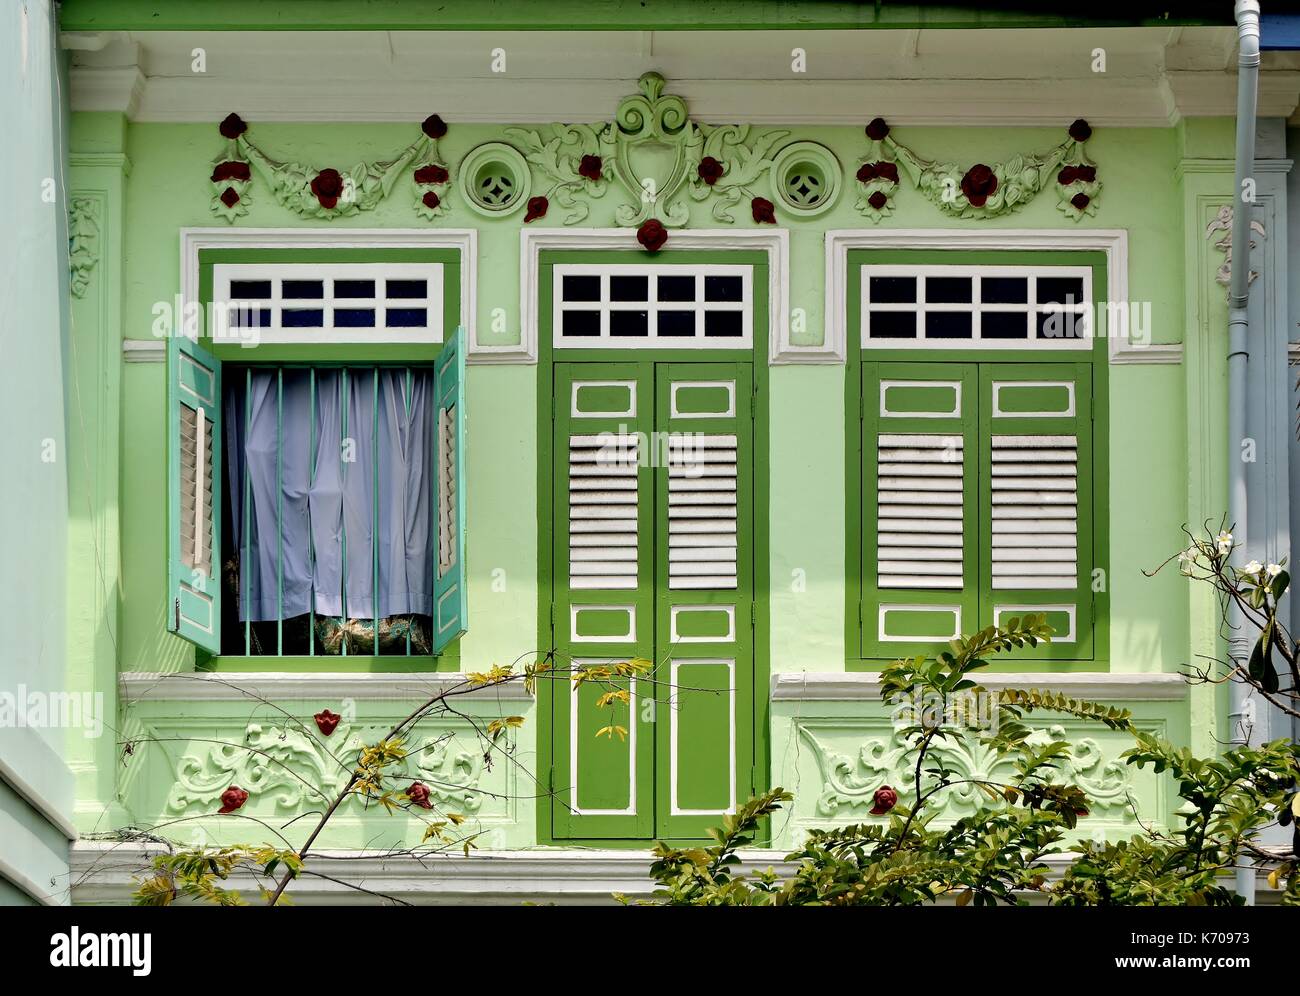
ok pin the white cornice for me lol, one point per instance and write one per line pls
(775, 242)
(106, 873)
(230, 686)
(857, 686)
(465, 241)
(1111, 241)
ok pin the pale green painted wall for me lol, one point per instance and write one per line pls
(167, 189)
(35, 408)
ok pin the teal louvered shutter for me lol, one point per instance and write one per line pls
(194, 493)
(919, 552)
(450, 612)
(1036, 504)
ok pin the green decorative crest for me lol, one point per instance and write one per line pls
(83, 242)
(653, 153)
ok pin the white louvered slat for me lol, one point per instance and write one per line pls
(1035, 501)
(603, 511)
(702, 505)
(919, 508)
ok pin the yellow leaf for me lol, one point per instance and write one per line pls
(1273, 878)
(965, 898)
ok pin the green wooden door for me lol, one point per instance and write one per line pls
(653, 557)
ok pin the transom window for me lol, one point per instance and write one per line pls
(634, 305)
(328, 303)
(998, 307)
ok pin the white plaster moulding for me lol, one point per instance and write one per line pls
(775, 242)
(465, 240)
(144, 350)
(106, 873)
(858, 686)
(1111, 241)
(232, 686)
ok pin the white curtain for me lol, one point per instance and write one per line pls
(318, 526)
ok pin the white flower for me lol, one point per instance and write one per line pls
(1274, 570)
(1224, 539)
(1254, 567)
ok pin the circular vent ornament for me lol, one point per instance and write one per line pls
(494, 179)
(806, 178)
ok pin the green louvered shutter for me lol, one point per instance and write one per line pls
(1036, 504)
(194, 493)
(919, 541)
(604, 598)
(450, 612)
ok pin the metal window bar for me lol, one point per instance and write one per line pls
(347, 379)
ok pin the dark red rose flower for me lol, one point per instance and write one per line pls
(978, 184)
(433, 173)
(434, 126)
(232, 799)
(328, 187)
(1085, 173)
(418, 793)
(431, 200)
(764, 211)
(229, 197)
(887, 171)
(866, 172)
(877, 129)
(1080, 201)
(652, 235)
(885, 799)
(536, 209)
(230, 171)
(326, 721)
(1067, 175)
(590, 167)
(710, 170)
(1080, 131)
(878, 200)
(232, 126)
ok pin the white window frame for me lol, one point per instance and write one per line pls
(224, 302)
(1113, 242)
(699, 306)
(193, 241)
(1080, 310)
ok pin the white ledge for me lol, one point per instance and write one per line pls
(229, 686)
(104, 872)
(855, 686)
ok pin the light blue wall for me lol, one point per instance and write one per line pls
(35, 784)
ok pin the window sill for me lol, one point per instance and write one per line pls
(207, 686)
(851, 686)
(333, 663)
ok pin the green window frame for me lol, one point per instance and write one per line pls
(648, 366)
(952, 421)
(194, 383)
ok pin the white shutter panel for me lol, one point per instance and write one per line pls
(702, 511)
(603, 511)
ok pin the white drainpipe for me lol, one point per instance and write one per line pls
(1247, 16)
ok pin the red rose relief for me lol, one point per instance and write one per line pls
(878, 200)
(231, 171)
(434, 126)
(652, 235)
(431, 200)
(433, 173)
(229, 197)
(328, 187)
(885, 799)
(1080, 130)
(710, 170)
(536, 209)
(877, 129)
(418, 793)
(1080, 201)
(590, 167)
(979, 184)
(232, 126)
(231, 799)
(764, 211)
(326, 721)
